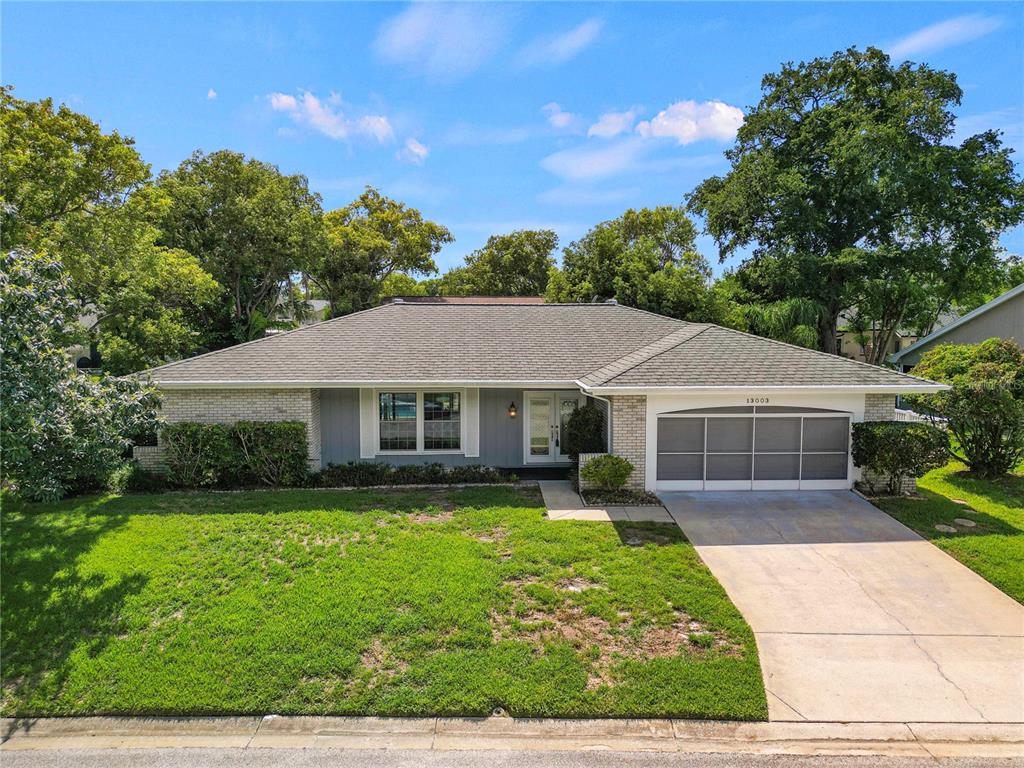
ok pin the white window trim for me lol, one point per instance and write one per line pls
(420, 450)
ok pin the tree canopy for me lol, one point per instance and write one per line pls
(251, 227)
(82, 196)
(843, 181)
(646, 258)
(516, 264)
(367, 241)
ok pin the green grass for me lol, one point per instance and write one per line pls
(994, 548)
(361, 602)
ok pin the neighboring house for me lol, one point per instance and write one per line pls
(691, 405)
(848, 345)
(1003, 317)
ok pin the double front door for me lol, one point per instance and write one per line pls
(545, 418)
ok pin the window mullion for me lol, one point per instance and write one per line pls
(419, 423)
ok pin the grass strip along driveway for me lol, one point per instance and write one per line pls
(994, 546)
(362, 602)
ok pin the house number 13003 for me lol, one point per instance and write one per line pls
(757, 400)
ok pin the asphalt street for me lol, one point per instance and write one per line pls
(334, 758)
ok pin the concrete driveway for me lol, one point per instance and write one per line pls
(857, 618)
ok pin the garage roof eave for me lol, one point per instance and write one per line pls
(883, 389)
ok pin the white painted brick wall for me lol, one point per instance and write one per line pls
(226, 406)
(629, 435)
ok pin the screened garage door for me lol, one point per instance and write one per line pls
(753, 448)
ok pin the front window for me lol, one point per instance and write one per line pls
(397, 421)
(442, 427)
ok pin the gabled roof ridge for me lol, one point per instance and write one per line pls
(641, 355)
(309, 327)
(828, 355)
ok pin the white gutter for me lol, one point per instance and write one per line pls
(730, 389)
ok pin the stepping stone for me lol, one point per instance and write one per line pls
(965, 523)
(959, 501)
(945, 528)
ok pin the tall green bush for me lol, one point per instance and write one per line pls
(273, 452)
(61, 430)
(199, 455)
(897, 450)
(984, 408)
(584, 432)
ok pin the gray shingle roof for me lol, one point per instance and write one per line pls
(599, 344)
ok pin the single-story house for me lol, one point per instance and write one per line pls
(691, 405)
(1002, 318)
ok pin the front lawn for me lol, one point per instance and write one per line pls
(361, 602)
(994, 546)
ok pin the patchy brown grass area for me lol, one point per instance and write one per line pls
(535, 618)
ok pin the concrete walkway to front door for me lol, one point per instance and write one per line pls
(563, 503)
(857, 618)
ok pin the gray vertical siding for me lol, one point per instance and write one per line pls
(501, 437)
(339, 426)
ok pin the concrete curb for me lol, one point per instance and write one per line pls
(662, 735)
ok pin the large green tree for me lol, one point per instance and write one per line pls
(251, 227)
(516, 264)
(844, 182)
(60, 430)
(646, 258)
(80, 195)
(366, 242)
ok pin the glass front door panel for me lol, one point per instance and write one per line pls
(540, 426)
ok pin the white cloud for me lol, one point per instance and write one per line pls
(586, 163)
(612, 124)
(413, 152)
(329, 118)
(690, 121)
(442, 41)
(944, 34)
(211, 94)
(556, 49)
(557, 118)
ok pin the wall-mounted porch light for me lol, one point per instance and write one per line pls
(512, 410)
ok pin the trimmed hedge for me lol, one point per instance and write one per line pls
(365, 474)
(899, 449)
(232, 455)
(608, 472)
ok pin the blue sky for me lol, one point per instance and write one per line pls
(488, 118)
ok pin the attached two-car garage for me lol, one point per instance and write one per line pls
(753, 448)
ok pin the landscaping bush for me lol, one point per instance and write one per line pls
(607, 472)
(200, 455)
(131, 477)
(366, 474)
(231, 455)
(899, 449)
(273, 452)
(584, 432)
(985, 407)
